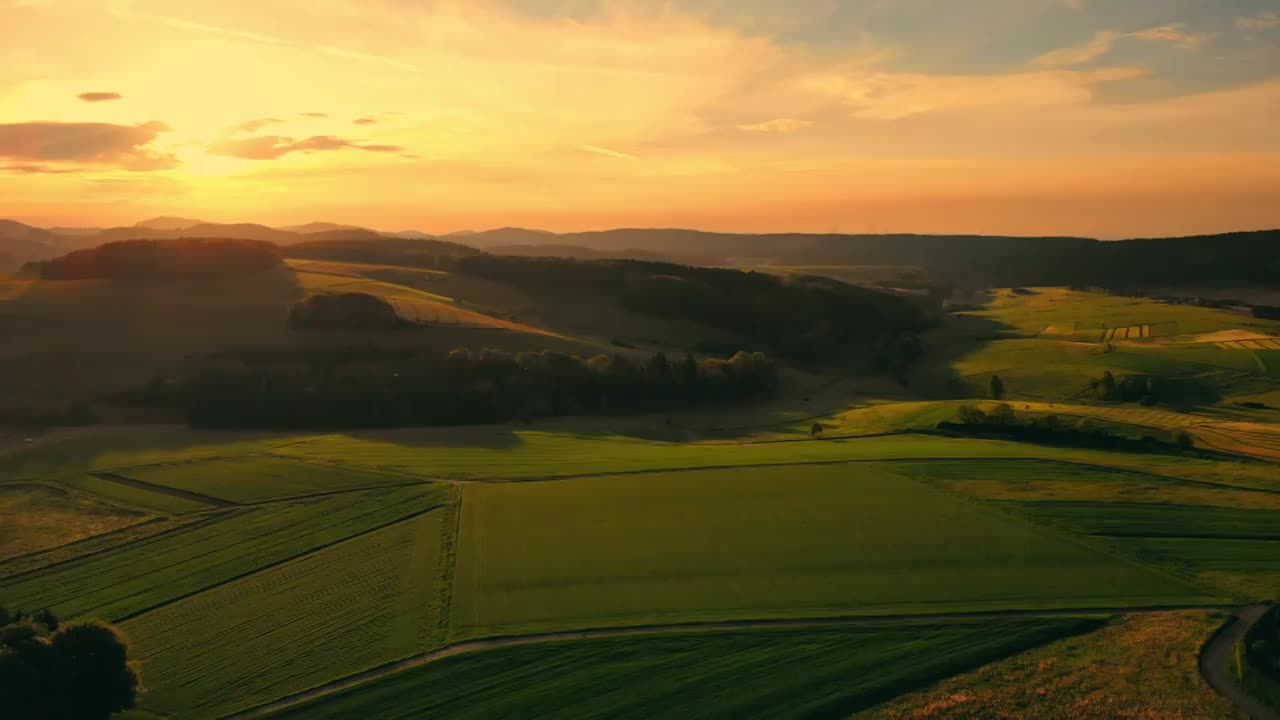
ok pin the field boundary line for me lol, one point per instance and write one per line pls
(330, 493)
(208, 519)
(165, 490)
(503, 641)
(275, 564)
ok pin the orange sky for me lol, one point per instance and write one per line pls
(571, 114)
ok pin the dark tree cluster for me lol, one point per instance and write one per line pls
(345, 311)
(381, 250)
(468, 388)
(1145, 389)
(800, 317)
(1003, 422)
(51, 671)
(34, 417)
(1262, 658)
(161, 259)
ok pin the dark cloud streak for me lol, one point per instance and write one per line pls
(84, 144)
(270, 147)
(94, 97)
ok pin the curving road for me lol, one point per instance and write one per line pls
(1216, 660)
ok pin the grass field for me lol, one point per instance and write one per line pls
(1155, 520)
(152, 572)
(101, 543)
(131, 495)
(1141, 667)
(371, 599)
(794, 673)
(258, 477)
(1248, 568)
(763, 543)
(39, 517)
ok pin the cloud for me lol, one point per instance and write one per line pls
(85, 144)
(28, 169)
(779, 125)
(365, 121)
(270, 147)
(1105, 41)
(1264, 20)
(607, 152)
(255, 125)
(1175, 33)
(314, 114)
(99, 96)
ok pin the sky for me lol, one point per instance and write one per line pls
(1104, 118)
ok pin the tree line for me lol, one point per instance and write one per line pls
(800, 317)
(465, 387)
(188, 258)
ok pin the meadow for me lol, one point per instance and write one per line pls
(791, 673)
(256, 478)
(778, 542)
(39, 517)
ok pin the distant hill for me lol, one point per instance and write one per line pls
(169, 223)
(237, 231)
(317, 227)
(75, 231)
(379, 249)
(21, 243)
(514, 236)
(416, 235)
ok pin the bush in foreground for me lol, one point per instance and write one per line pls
(52, 671)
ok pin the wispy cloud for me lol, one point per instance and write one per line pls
(99, 96)
(1105, 41)
(365, 121)
(607, 152)
(1264, 20)
(255, 125)
(779, 125)
(270, 147)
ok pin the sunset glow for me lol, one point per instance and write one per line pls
(1091, 117)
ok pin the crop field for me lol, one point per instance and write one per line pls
(39, 517)
(763, 543)
(1154, 520)
(132, 496)
(1029, 480)
(143, 575)
(100, 543)
(1141, 666)
(793, 673)
(357, 604)
(1248, 568)
(257, 478)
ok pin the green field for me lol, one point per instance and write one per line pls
(360, 603)
(799, 542)
(1156, 520)
(257, 478)
(131, 495)
(794, 673)
(39, 517)
(1249, 568)
(142, 575)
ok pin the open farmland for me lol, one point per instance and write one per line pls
(799, 542)
(39, 517)
(156, 571)
(792, 673)
(259, 478)
(362, 602)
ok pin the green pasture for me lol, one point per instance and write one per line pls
(131, 495)
(256, 478)
(1156, 520)
(779, 542)
(1248, 568)
(154, 571)
(790, 673)
(357, 604)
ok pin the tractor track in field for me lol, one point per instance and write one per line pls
(165, 490)
(1215, 663)
(493, 643)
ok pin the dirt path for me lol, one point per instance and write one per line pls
(471, 646)
(1216, 660)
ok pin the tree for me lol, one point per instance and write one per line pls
(1185, 441)
(1109, 387)
(970, 415)
(997, 388)
(50, 671)
(1002, 414)
(815, 432)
